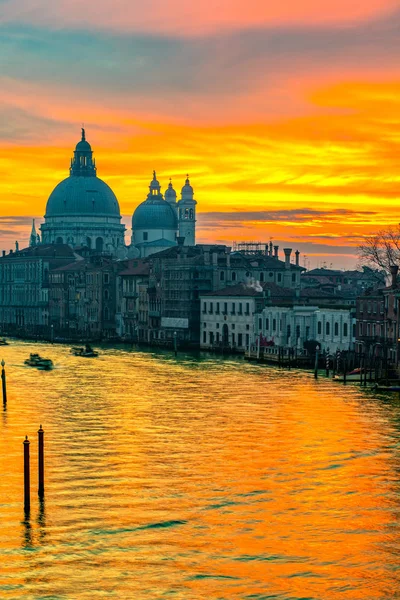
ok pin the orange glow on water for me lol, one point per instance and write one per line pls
(201, 477)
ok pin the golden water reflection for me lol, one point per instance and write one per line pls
(196, 478)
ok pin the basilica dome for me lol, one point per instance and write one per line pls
(80, 195)
(82, 210)
(154, 214)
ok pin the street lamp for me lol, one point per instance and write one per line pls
(52, 333)
(175, 349)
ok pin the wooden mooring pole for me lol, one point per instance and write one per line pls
(3, 381)
(327, 364)
(27, 483)
(41, 462)
(316, 362)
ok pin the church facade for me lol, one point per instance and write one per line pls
(83, 211)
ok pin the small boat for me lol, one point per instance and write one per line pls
(352, 376)
(86, 352)
(35, 360)
(387, 388)
(3, 342)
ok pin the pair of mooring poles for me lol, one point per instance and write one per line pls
(27, 476)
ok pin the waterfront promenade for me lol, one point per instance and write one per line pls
(196, 477)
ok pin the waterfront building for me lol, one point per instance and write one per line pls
(24, 287)
(82, 210)
(333, 328)
(134, 276)
(227, 316)
(83, 298)
(177, 277)
(370, 317)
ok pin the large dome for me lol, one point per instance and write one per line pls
(82, 196)
(154, 214)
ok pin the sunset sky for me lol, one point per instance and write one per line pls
(285, 114)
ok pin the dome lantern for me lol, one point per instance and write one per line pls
(154, 187)
(170, 194)
(83, 165)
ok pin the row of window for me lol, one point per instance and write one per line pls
(335, 328)
(273, 325)
(233, 326)
(225, 306)
(372, 307)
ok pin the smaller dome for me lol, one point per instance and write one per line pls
(170, 193)
(83, 146)
(154, 214)
(187, 188)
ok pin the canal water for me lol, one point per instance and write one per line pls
(196, 477)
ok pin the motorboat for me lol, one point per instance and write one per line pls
(35, 360)
(87, 351)
(3, 342)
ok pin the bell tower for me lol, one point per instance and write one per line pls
(187, 214)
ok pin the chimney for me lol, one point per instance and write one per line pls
(270, 248)
(288, 252)
(394, 269)
(297, 253)
(11, 251)
(276, 248)
(4, 252)
(180, 240)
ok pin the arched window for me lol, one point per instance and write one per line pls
(319, 328)
(345, 329)
(59, 240)
(327, 328)
(261, 276)
(266, 324)
(233, 276)
(336, 328)
(191, 214)
(186, 213)
(99, 244)
(274, 325)
(106, 313)
(106, 294)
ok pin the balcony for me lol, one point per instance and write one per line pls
(155, 313)
(128, 294)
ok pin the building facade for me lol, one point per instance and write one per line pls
(333, 329)
(227, 316)
(24, 287)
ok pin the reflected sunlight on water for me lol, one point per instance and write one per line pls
(196, 478)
